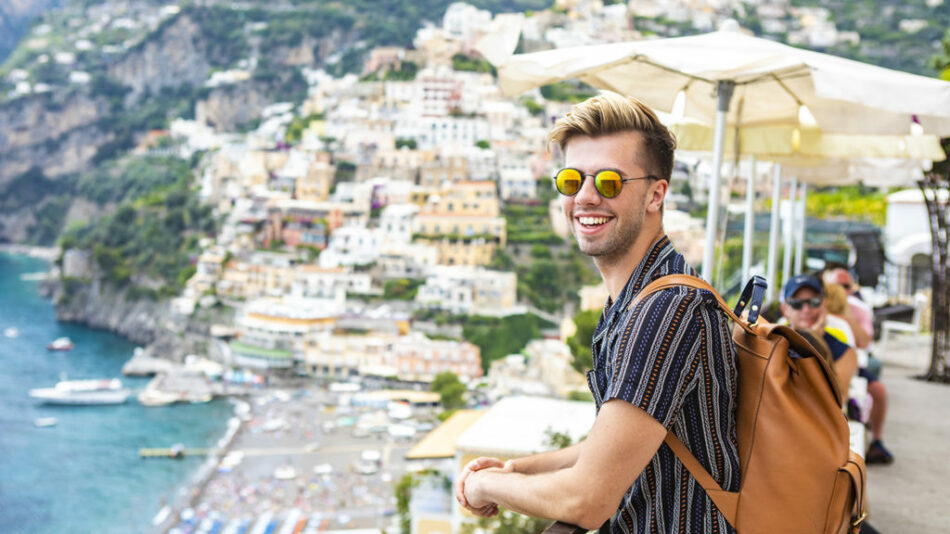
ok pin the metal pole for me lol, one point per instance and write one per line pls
(800, 262)
(724, 90)
(747, 241)
(789, 232)
(773, 232)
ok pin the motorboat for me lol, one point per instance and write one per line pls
(11, 332)
(42, 422)
(60, 343)
(83, 392)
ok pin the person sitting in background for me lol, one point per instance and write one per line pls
(815, 339)
(803, 306)
(839, 304)
(860, 315)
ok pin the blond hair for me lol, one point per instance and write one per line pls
(609, 113)
(836, 299)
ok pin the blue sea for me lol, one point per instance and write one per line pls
(84, 474)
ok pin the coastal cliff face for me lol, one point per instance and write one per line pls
(103, 307)
(175, 55)
(57, 133)
(230, 106)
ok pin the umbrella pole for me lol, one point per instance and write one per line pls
(749, 222)
(800, 260)
(789, 231)
(773, 231)
(724, 90)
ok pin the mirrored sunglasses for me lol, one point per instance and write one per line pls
(607, 182)
(798, 304)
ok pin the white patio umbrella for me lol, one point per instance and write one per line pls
(771, 83)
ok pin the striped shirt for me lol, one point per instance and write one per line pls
(678, 365)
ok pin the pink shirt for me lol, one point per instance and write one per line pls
(862, 314)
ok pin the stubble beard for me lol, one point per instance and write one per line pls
(617, 244)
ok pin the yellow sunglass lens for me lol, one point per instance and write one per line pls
(568, 181)
(608, 183)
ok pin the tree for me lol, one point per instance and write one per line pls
(451, 391)
(934, 188)
(580, 342)
(941, 61)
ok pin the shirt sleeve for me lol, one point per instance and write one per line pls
(666, 336)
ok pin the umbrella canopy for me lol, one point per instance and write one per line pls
(805, 146)
(728, 77)
(772, 81)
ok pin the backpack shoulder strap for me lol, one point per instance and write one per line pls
(726, 501)
(674, 280)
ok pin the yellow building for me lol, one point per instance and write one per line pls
(462, 221)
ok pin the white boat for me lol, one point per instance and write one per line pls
(45, 421)
(60, 343)
(11, 332)
(78, 392)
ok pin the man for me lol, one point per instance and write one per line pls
(803, 305)
(862, 323)
(677, 372)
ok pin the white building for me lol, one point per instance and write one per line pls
(462, 20)
(464, 290)
(515, 180)
(907, 240)
(351, 245)
(273, 332)
(396, 222)
(409, 260)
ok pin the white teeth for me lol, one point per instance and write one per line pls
(592, 221)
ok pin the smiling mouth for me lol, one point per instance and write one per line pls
(592, 222)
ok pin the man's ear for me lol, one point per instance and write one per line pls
(656, 195)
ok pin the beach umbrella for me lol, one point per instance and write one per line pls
(728, 77)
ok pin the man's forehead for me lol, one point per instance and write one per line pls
(804, 293)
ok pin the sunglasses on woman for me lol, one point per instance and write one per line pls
(798, 304)
(608, 182)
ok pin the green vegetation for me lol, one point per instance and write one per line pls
(409, 143)
(451, 391)
(498, 337)
(131, 178)
(580, 342)
(401, 289)
(472, 64)
(529, 224)
(548, 281)
(297, 126)
(154, 235)
(856, 203)
(567, 91)
(223, 32)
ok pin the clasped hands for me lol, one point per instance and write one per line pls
(468, 497)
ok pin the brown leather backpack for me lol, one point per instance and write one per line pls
(798, 474)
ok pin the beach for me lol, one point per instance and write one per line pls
(297, 455)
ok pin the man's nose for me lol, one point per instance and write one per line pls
(588, 194)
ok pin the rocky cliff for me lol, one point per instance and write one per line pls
(100, 306)
(58, 133)
(174, 55)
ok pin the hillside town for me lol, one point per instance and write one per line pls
(361, 231)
